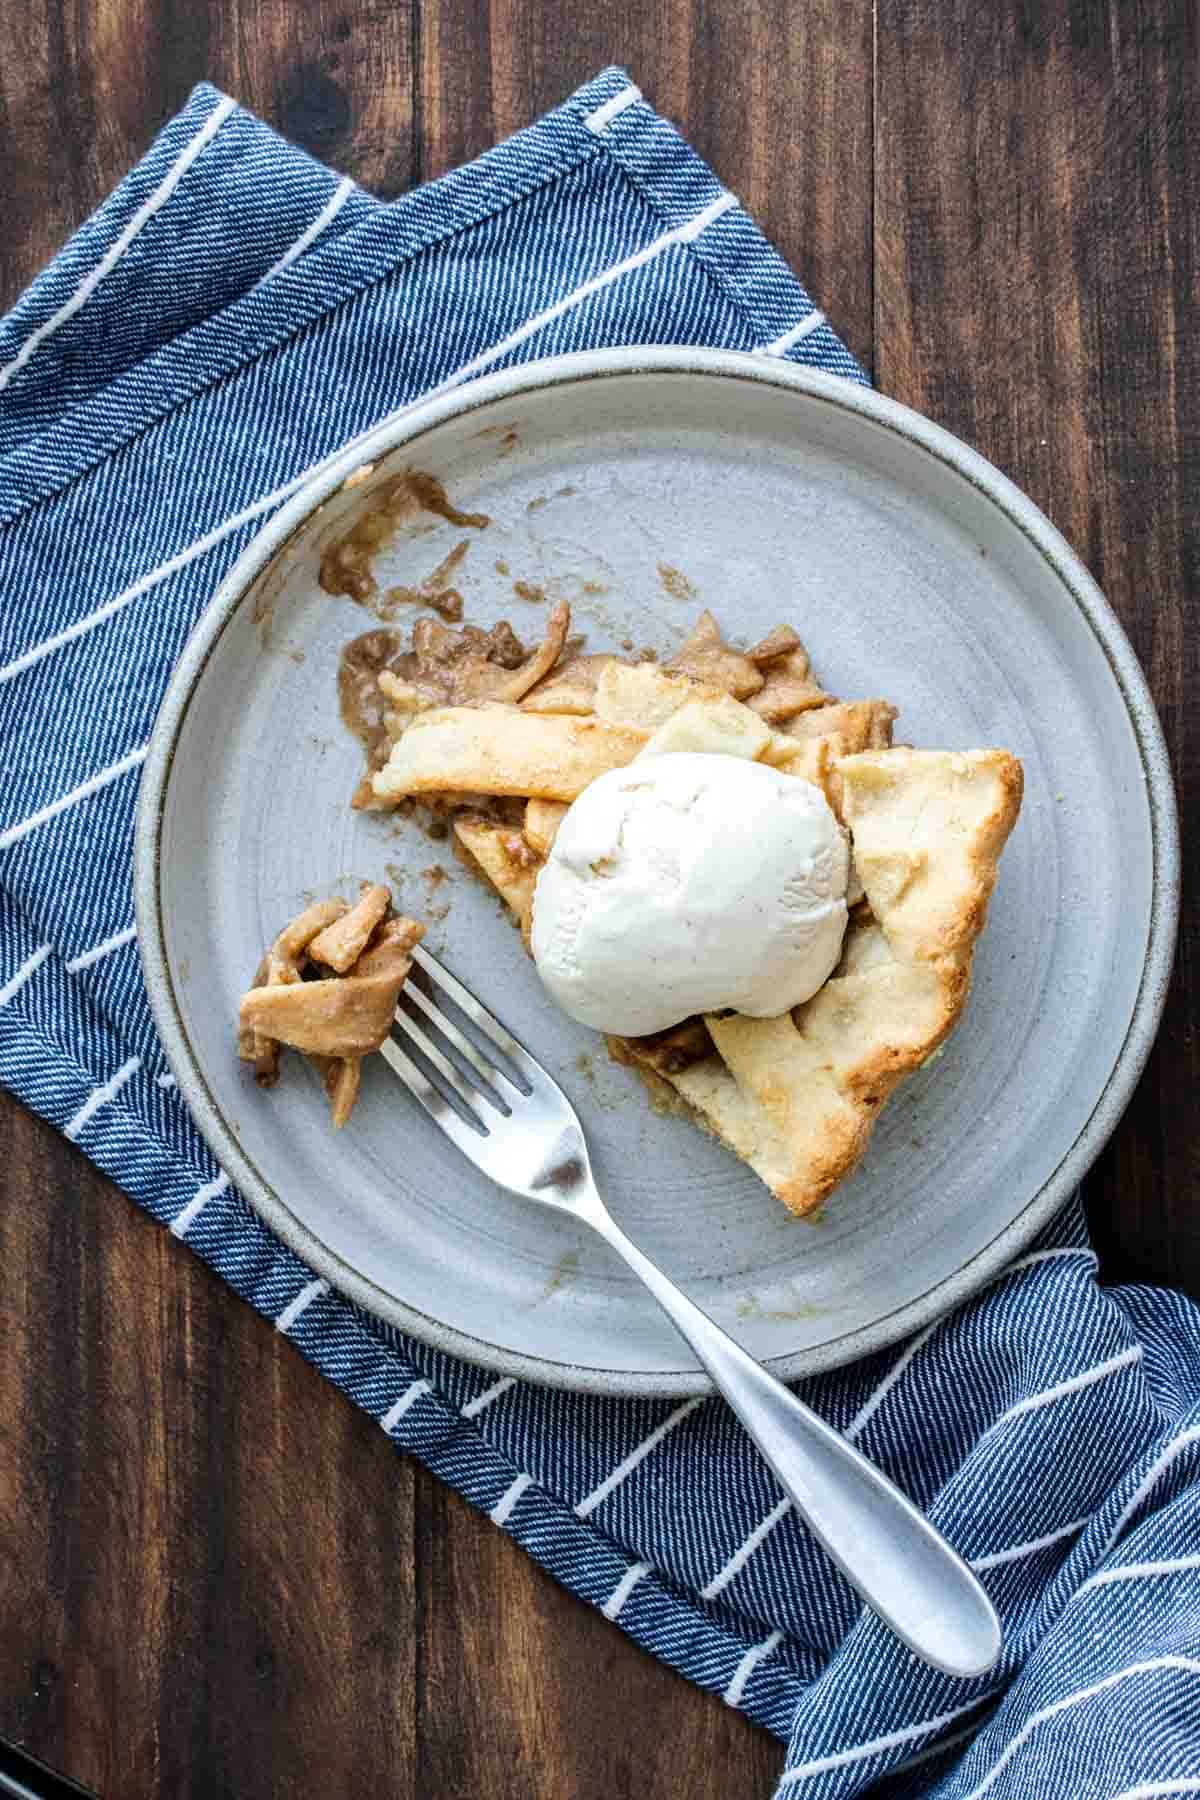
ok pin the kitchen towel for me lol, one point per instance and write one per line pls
(233, 315)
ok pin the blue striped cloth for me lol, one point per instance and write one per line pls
(229, 318)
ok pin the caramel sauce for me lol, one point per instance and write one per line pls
(447, 603)
(360, 701)
(346, 564)
(431, 496)
(673, 1050)
(435, 591)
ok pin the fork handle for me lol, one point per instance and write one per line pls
(902, 1567)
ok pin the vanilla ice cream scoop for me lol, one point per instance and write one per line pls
(686, 883)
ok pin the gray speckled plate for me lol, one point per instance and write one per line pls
(913, 570)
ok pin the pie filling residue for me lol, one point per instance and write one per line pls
(347, 565)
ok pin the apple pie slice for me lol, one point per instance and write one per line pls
(503, 741)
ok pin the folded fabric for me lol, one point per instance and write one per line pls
(232, 316)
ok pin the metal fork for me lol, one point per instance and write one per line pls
(515, 1123)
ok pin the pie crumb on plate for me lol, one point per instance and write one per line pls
(328, 987)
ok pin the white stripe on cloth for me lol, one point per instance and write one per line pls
(1157, 1790)
(629, 1463)
(1073, 1385)
(163, 572)
(187, 1215)
(1139, 1571)
(996, 1558)
(866, 1413)
(29, 967)
(87, 957)
(741, 1556)
(300, 1304)
(101, 1096)
(1186, 1664)
(873, 1402)
(993, 1560)
(165, 1081)
(781, 345)
(399, 1407)
(508, 1499)
(474, 1407)
(681, 234)
(741, 1675)
(950, 1743)
(892, 1740)
(327, 214)
(116, 250)
(1161, 1462)
(92, 785)
(611, 109)
(620, 1594)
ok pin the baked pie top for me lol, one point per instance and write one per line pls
(503, 740)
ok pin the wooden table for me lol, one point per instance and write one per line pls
(216, 1578)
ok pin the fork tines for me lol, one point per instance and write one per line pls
(440, 1064)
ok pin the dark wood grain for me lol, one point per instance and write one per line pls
(216, 1578)
(207, 1583)
(1037, 246)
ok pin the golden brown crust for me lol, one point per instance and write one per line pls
(643, 697)
(719, 726)
(706, 658)
(789, 690)
(857, 724)
(928, 828)
(800, 1130)
(343, 942)
(503, 750)
(571, 688)
(542, 820)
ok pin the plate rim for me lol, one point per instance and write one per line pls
(414, 421)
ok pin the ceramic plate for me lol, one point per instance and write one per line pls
(642, 485)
